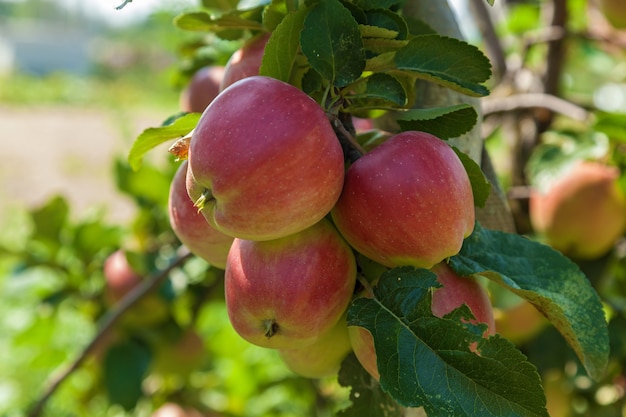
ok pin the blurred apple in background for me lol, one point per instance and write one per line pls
(203, 87)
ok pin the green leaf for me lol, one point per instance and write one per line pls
(282, 48)
(427, 361)
(611, 124)
(125, 365)
(149, 185)
(443, 122)
(50, 219)
(366, 396)
(368, 31)
(155, 136)
(548, 280)
(205, 22)
(377, 91)
(332, 43)
(385, 18)
(480, 186)
(446, 61)
(376, 4)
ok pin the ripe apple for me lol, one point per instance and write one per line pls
(246, 61)
(323, 358)
(265, 160)
(120, 279)
(286, 293)
(203, 87)
(520, 322)
(191, 227)
(408, 201)
(583, 213)
(455, 292)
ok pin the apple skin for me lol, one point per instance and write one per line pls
(268, 159)
(246, 61)
(323, 358)
(455, 292)
(288, 292)
(203, 87)
(408, 201)
(190, 226)
(583, 213)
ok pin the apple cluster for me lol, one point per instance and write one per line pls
(267, 195)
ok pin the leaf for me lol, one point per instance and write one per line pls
(446, 61)
(480, 186)
(369, 31)
(385, 18)
(125, 365)
(548, 280)
(377, 91)
(155, 136)
(282, 47)
(443, 122)
(332, 43)
(49, 219)
(427, 361)
(377, 4)
(205, 22)
(611, 124)
(368, 400)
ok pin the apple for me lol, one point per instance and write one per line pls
(615, 12)
(288, 292)
(265, 160)
(191, 227)
(408, 201)
(120, 279)
(455, 292)
(519, 323)
(203, 87)
(323, 358)
(246, 61)
(583, 212)
(171, 409)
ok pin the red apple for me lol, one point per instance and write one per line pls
(119, 276)
(286, 293)
(191, 227)
(246, 61)
(203, 87)
(120, 279)
(323, 358)
(266, 161)
(583, 213)
(455, 292)
(408, 201)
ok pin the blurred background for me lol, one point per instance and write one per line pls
(80, 80)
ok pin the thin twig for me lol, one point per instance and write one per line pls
(106, 324)
(534, 100)
(121, 6)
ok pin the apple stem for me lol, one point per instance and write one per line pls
(352, 149)
(201, 201)
(271, 327)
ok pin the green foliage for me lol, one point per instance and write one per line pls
(426, 361)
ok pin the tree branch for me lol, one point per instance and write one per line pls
(106, 324)
(534, 100)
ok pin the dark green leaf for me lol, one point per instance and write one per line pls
(377, 4)
(443, 122)
(547, 279)
(154, 136)
(377, 91)
(446, 61)
(427, 361)
(480, 185)
(331, 42)
(125, 365)
(282, 48)
(368, 400)
(385, 18)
